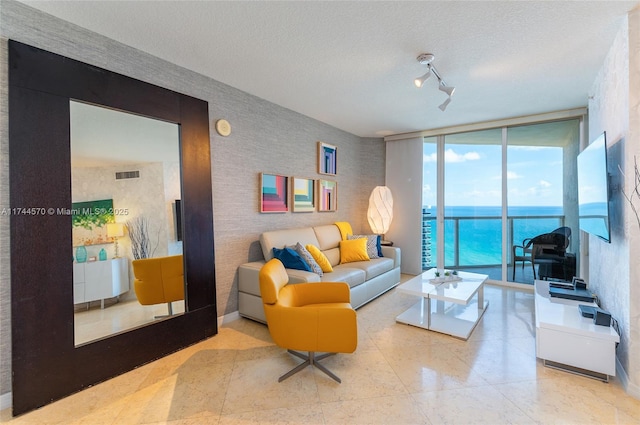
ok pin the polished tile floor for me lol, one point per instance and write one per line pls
(398, 375)
(96, 322)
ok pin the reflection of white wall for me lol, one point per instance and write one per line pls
(139, 197)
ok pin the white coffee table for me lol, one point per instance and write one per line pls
(459, 305)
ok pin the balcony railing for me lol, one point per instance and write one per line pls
(524, 226)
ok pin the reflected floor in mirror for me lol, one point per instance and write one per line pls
(99, 322)
(399, 374)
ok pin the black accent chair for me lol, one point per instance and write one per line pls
(549, 253)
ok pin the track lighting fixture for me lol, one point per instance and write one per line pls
(445, 104)
(446, 89)
(426, 59)
(420, 80)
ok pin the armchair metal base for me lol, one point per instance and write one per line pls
(309, 360)
(170, 311)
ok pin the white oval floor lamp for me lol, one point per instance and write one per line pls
(380, 212)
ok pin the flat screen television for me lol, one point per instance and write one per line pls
(178, 206)
(593, 189)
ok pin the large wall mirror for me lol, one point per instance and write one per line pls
(125, 193)
(52, 355)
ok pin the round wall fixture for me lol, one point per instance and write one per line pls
(223, 127)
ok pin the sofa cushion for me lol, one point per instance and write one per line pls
(320, 258)
(282, 238)
(353, 276)
(291, 259)
(308, 258)
(328, 237)
(373, 244)
(353, 250)
(375, 267)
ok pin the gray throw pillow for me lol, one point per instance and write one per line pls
(306, 255)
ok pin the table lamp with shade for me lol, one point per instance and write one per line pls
(115, 231)
(380, 212)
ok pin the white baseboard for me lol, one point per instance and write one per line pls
(5, 401)
(228, 318)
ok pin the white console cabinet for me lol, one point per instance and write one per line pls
(566, 340)
(98, 280)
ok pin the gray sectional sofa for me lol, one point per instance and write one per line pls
(367, 279)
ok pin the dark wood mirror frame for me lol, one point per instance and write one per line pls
(46, 365)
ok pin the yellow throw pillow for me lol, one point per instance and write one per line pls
(320, 258)
(353, 250)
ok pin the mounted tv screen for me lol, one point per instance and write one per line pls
(593, 189)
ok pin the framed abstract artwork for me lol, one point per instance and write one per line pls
(327, 159)
(274, 193)
(304, 195)
(327, 195)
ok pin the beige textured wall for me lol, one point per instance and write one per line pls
(615, 108)
(265, 137)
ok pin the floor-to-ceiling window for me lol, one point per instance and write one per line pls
(501, 188)
(542, 194)
(472, 200)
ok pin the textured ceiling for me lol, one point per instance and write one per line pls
(352, 64)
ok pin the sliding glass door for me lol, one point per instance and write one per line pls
(542, 195)
(472, 194)
(499, 188)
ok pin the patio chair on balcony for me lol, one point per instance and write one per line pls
(522, 253)
(549, 253)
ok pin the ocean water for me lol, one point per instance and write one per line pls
(479, 231)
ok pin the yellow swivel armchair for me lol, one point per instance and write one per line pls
(159, 280)
(311, 317)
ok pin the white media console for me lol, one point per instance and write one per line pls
(566, 340)
(97, 280)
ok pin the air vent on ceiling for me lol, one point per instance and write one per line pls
(127, 175)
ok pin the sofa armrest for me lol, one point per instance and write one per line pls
(393, 253)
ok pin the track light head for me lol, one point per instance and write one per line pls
(445, 104)
(420, 80)
(448, 90)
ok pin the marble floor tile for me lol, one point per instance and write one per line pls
(565, 400)
(478, 405)
(364, 374)
(254, 385)
(304, 414)
(399, 374)
(431, 368)
(397, 410)
(497, 361)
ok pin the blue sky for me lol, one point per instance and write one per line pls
(473, 175)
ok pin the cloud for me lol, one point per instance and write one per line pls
(451, 156)
(429, 158)
(544, 183)
(512, 175)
